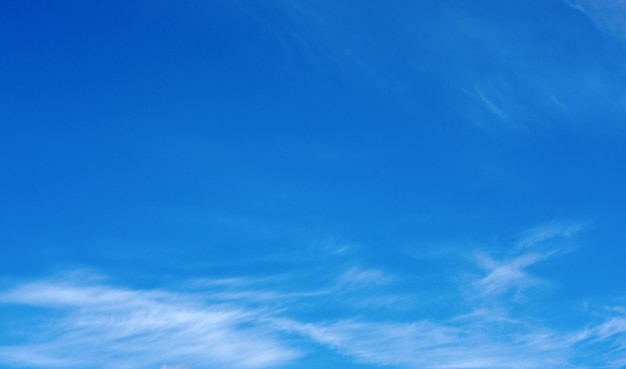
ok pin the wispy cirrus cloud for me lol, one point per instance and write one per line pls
(357, 278)
(609, 15)
(507, 74)
(477, 341)
(135, 328)
(85, 323)
(511, 273)
(176, 366)
(439, 345)
(506, 275)
(99, 326)
(549, 232)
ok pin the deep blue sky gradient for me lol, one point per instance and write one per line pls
(389, 164)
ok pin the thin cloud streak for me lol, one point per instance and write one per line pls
(549, 232)
(492, 107)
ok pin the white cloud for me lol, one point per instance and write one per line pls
(472, 342)
(357, 278)
(177, 366)
(510, 273)
(429, 345)
(90, 324)
(548, 232)
(613, 328)
(504, 276)
(98, 326)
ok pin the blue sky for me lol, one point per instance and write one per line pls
(313, 184)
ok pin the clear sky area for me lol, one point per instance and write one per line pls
(358, 184)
